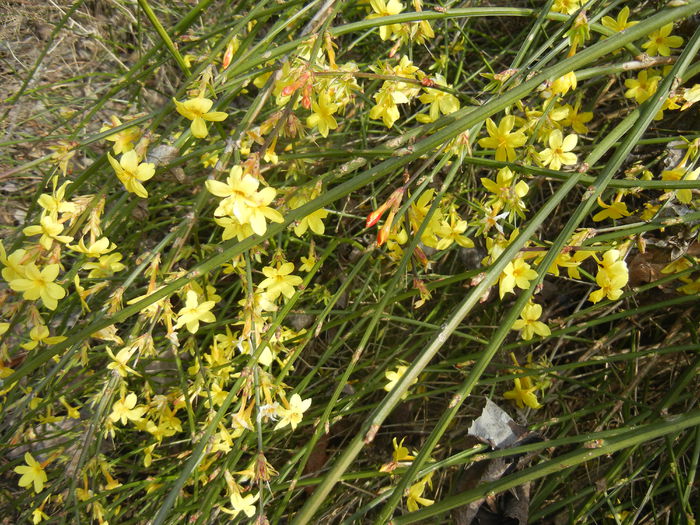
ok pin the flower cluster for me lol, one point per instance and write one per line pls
(243, 209)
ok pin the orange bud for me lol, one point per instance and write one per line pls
(393, 201)
(385, 230)
(291, 88)
(228, 55)
(373, 218)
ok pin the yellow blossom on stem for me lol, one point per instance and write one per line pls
(642, 87)
(98, 248)
(516, 273)
(132, 173)
(197, 110)
(691, 96)
(502, 140)
(563, 84)
(615, 210)
(124, 139)
(279, 281)
(399, 456)
(244, 504)
(294, 413)
(119, 362)
(440, 101)
(620, 23)
(32, 473)
(567, 7)
(577, 119)
(322, 116)
(233, 228)
(393, 376)
(309, 262)
(37, 284)
(684, 195)
(50, 230)
(507, 193)
(612, 276)
(661, 41)
(386, 107)
(40, 335)
(523, 396)
(194, 312)
(38, 515)
(383, 8)
(313, 221)
(414, 497)
(559, 151)
(451, 232)
(243, 201)
(54, 204)
(529, 322)
(106, 266)
(125, 409)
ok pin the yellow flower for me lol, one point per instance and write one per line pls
(322, 116)
(124, 410)
(98, 248)
(559, 150)
(576, 119)
(451, 232)
(119, 362)
(394, 376)
(502, 140)
(684, 195)
(415, 496)
(279, 281)
(529, 322)
(523, 396)
(40, 335)
(123, 140)
(619, 24)
(566, 6)
(399, 456)
(506, 192)
(106, 266)
(233, 228)
(563, 84)
(294, 414)
(32, 473)
(37, 284)
(642, 87)
(691, 96)
(612, 276)
(615, 210)
(50, 230)
(193, 312)
(383, 8)
(242, 504)
(242, 201)
(54, 204)
(440, 101)
(386, 108)
(197, 110)
(516, 273)
(131, 173)
(308, 263)
(313, 221)
(38, 515)
(14, 264)
(660, 43)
